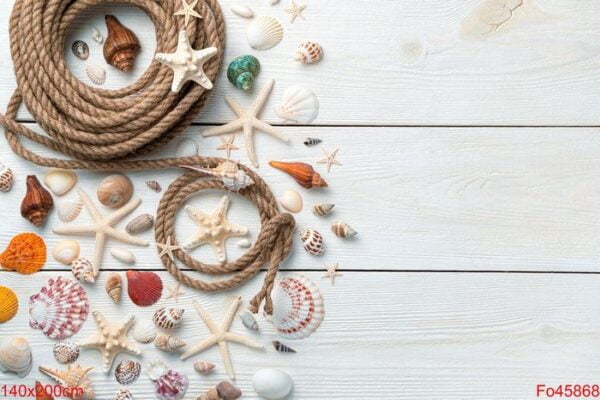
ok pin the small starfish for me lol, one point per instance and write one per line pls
(188, 11)
(248, 121)
(110, 339)
(213, 229)
(187, 64)
(102, 228)
(295, 11)
(227, 145)
(329, 158)
(220, 335)
(167, 248)
(332, 273)
(174, 292)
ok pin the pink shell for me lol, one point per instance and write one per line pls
(144, 287)
(171, 386)
(59, 309)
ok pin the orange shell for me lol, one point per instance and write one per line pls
(303, 173)
(26, 254)
(9, 304)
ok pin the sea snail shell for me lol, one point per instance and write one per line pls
(121, 46)
(242, 71)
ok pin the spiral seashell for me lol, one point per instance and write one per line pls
(309, 52)
(9, 304)
(83, 270)
(69, 210)
(242, 71)
(299, 105)
(37, 202)
(15, 356)
(114, 286)
(264, 32)
(123, 394)
(312, 141)
(66, 352)
(304, 174)
(125, 256)
(144, 331)
(128, 371)
(144, 287)
(7, 178)
(282, 348)
(323, 209)
(342, 230)
(248, 320)
(26, 254)
(60, 181)
(172, 385)
(80, 49)
(115, 191)
(204, 367)
(122, 45)
(168, 318)
(140, 224)
(96, 74)
(242, 11)
(168, 343)
(313, 242)
(154, 185)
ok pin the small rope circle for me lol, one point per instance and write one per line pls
(272, 246)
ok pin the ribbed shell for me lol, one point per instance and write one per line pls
(15, 355)
(313, 242)
(96, 74)
(144, 331)
(309, 52)
(128, 371)
(69, 210)
(9, 304)
(144, 287)
(121, 46)
(168, 318)
(66, 352)
(264, 32)
(114, 286)
(26, 254)
(171, 385)
(299, 105)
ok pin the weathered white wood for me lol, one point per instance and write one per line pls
(411, 62)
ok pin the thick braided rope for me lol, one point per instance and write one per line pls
(103, 129)
(272, 246)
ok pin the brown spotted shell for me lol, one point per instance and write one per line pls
(66, 352)
(7, 178)
(313, 242)
(128, 371)
(168, 318)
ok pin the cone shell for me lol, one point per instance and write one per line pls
(144, 287)
(264, 32)
(115, 191)
(59, 309)
(75, 377)
(66, 251)
(304, 174)
(96, 74)
(313, 242)
(342, 229)
(37, 202)
(60, 181)
(204, 367)
(155, 186)
(9, 304)
(66, 352)
(312, 141)
(248, 320)
(323, 209)
(144, 331)
(140, 224)
(15, 355)
(83, 270)
(168, 343)
(168, 318)
(282, 348)
(309, 52)
(122, 45)
(114, 286)
(26, 254)
(128, 371)
(123, 394)
(299, 105)
(7, 178)
(69, 210)
(298, 307)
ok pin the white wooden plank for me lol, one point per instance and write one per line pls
(408, 63)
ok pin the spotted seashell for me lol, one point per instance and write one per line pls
(168, 318)
(282, 348)
(248, 320)
(264, 32)
(140, 224)
(312, 141)
(313, 242)
(66, 352)
(342, 229)
(123, 394)
(96, 74)
(168, 343)
(144, 331)
(83, 270)
(81, 49)
(7, 178)
(309, 52)
(323, 209)
(128, 371)
(154, 185)
(204, 367)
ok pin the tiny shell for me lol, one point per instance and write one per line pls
(66, 352)
(144, 287)
(273, 2)
(282, 348)
(168, 343)
(9, 304)
(26, 254)
(140, 224)
(264, 32)
(248, 320)
(323, 209)
(83, 270)
(123, 394)
(60, 181)
(7, 178)
(128, 371)
(115, 191)
(291, 201)
(204, 367)
(154, 185)
(227, 391)
(242, 11)
(125, 256)
(80, 49)
(15, 355)
(342, 229)
(244, 243)
(96, 74)
(272, 384)
(299, 105)
(313, 242)
(309, 52)
(186, 148)
(312, 141)
(66, 251)
(114, 286)
(144, 331)
(97, 35)
(168, 318)
(69, 210)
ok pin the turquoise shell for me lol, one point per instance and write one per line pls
(242, 71)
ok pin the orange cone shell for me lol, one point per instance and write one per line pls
(26, 254)
(303, 173)
(9, 304)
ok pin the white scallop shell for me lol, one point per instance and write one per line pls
(291, 201)
(186, 148)
(264, 32)
(123, 255)
(242, 11)
(60, 181)
(298, 307)
(272, 383)
(96, 74)
(299, 105)
(66, 251)
(144, 331)
(15, 356)
(69, 210)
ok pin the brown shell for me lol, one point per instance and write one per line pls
(303, 173)
(37, 202)
(121, 46)
(26, 254)
(114, 286)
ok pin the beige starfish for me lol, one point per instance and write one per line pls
(295, 11)
(213, 229)
(220, 335)
(227, 145)
(329, 158)
(332, 272)
(174, 292)
(248, 121)
(188, 11)
(111, 339)
(102, 228)
(167, 249)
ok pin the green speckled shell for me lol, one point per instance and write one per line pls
(242, 71)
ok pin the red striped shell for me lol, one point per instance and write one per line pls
(313, 242)
(144, 287)
(167, 317)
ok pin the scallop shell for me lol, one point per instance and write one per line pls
(144, 287)
(69, 210)
(186, 148)
(123, 394)
(59, 309)
(60, 181)
(80, 49)
(66, 352)
(7, 178)
(96, 74)
(83, 270)
(248, 320)
(9, 304)
(140, 224)
(299, 105)
(309, 52)
(282, 348)
(171, 386)
(115, 191)
(154, 185)
(298, 307)
(26, 254)
(168, 318)
(204, 367)
(15, 356)
(291, 201)
(242, 11)
(125, 256)
(342, 229)
(264, 32)
(168, 343)
(144, 331)
(97, 35)
(313, 242)
(114, 286)
(323, 209)
(272, 383)
(66, 251)
(128, 371)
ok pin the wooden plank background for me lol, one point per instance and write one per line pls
(466, 130)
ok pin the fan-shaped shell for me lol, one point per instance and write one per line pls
(298, 307)
(66, 352)
(171, 386)
(80, 49)
(60, 181)
(69, 210)
(128, 371)
(309, 52)
(9, 304)
(168, 318)
(59, 309)
(313, 242)
(7, 178)
(96, 74)
(66, 251)
(15, 355)
(186, 148)
(264, 32)
(144, 287)
(144, 331)
(83, 270)
(299, 105)
(26, 254)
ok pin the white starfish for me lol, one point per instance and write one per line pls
(220, 335)
(295, 11)
(187, 64)
(248, 121)
(188, 11)
(329, 158)
(167, 248)
(213, 228)
(227, 145)
(174, 292)
(332, 272)
(102, 228)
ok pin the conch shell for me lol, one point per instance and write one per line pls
(121, 46)
(37, 202)
(304, 174)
